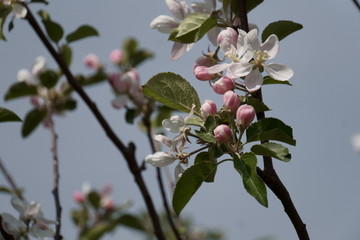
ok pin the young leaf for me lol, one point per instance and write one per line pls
(83, 31)
(269, 80)
(193, 27)
(207, 137)
(270, 129)
(246, 166)
(66, 54)
(195, 121)
(4, 12)
(189, 183)
(94, 199)
(32, 120)
(54, 30)
(207, 157)
(49, 78)
(173, 91)
(131, 221)
(251, 4)
(20, 89)
(281, 29)
(8, 116)
(271, 149)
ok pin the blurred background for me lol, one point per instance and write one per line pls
(322, 107)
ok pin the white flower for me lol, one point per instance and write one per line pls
(39, 66)
(19, 10)
(356, 142)
(24, 75)
(12, 225)
(261, 53)
(165, 24)
(160, 159)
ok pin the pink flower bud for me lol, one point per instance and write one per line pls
(79, 197)
(36, 101)
(202, 74)
(229, 35)
(223, 85)
(231, 101)
(107, 203)
(223, 133)
(116, 56)
(208, 108)
(245, 115)
(92, 61)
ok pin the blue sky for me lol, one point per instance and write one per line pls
(321, 106)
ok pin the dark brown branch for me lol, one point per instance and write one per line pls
(147, 123)
(127, 151)
(269, 175)
(357, 4)
(56, 176)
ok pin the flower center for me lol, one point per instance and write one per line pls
(260, 57)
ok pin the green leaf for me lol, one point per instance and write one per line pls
(163, 112)
(255, 103)
(130, 115)
(97, 77)
(270, 129)
(281, 29)
(49, 78)
(195, 121)
(207, 137)
(189, 183)
(32, 120)
(53, 30)
(207, 157)
(94, 199)
(95, 232)
(66, 53)
(20, 89)
(193, 27)
(67, 104)
(82, 32)
(211, 123)
(246, 166)
(269, 80)
(4, 12)
(44, 15)
(131, 222)
(8, 116)
(271, 149)
(173, 91)
(251, 4)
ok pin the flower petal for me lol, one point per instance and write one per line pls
(239, 69)
(160, 159)
(174, 124)
(178, 9)
(119, 101)
(279, 71)
(271, 46)
(19, 10)
(19, 204)
(163, 139)
(178, 50)
(253, 40)
(217, 68)
(164, 24)
(253, 81)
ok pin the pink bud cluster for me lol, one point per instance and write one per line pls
(106, 201)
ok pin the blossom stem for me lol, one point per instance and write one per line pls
(269, 175)
(10, 180)
(127, 151)
(56, 175)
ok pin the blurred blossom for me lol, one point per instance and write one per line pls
(116, 56)
(39, 66)
(24, 75)
(356, 142)
(92, 61)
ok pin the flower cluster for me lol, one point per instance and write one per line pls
(17, 7)
(31, 221)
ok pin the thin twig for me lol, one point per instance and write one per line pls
(10, 180)
(269, 175)
(56, 176)
(147, 123)
(357, 4)
(127, 151)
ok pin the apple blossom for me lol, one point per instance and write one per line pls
(19, 10)
(92, 61)
(245, 115)
(208, 109)
(79, 197)
(227, 37)
(116, 56)
(223, 133)
(223, 85)
(160, 159)
(24, 75)
(231, 101)
(39, 66)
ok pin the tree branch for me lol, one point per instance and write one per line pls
(357, 4)
(127, 151)
(56, 175)
(10, 180)
(269, 175)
